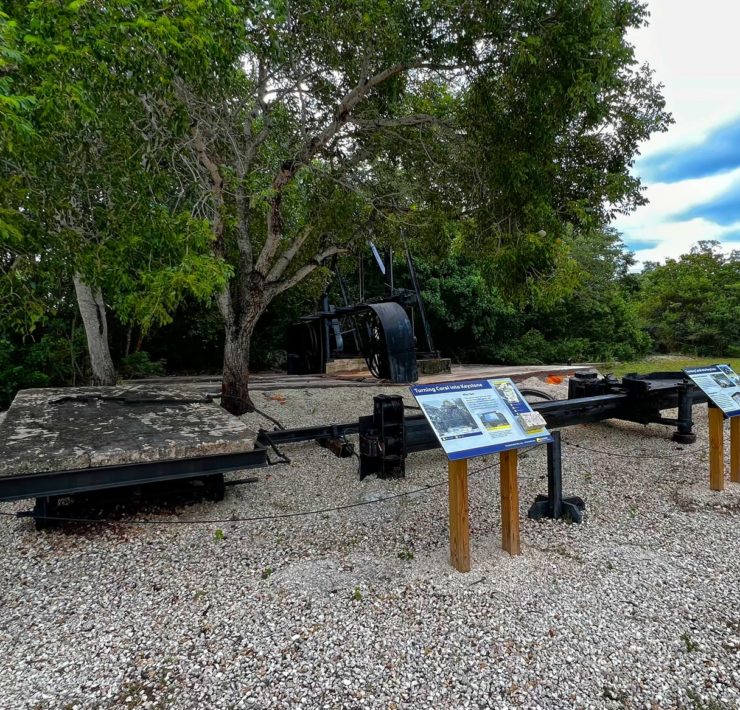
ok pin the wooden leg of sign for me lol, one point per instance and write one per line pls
(510, 502)
(459, 526)
(716, 449)
(735, 449)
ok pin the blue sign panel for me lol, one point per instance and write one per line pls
(479, 417)
(721, 384)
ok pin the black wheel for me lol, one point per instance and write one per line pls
(374, 348)
(535, 395)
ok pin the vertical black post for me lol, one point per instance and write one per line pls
(362, 278)
(555, 475)
(685, 430)
(389, 286)
(553, 505)
(420, 303)
(326, 354)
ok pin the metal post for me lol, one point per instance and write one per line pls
(684, 433)
(326, 355)
(419, 301)
(389, 272)
(553, 505)
(555, 475)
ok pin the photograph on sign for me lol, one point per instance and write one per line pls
(721, 384)
(479, 417)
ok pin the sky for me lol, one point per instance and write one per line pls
(692, 172)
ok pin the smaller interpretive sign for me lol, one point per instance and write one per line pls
(721, 384)
(479, 417)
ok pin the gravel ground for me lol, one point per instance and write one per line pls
(634, 608)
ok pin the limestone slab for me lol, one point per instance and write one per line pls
(83, 427)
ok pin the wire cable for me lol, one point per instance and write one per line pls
(251, 407)
(257, 518)
(616, 454)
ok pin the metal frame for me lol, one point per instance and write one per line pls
(60, 483)
(388, 437)
(635, 399)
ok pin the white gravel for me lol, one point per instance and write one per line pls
(635, 608)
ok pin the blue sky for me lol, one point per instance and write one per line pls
(692, 172)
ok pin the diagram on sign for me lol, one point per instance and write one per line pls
(721, 384)
(480, 417)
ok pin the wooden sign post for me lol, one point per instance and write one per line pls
(473, 418)
(510, 502)
(721, 385)
(716, 448)
(459, 522)
(735, 449)
(459, 516)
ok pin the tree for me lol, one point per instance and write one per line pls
(300, 141)
(96, 211)
(296, 131)
(692, 304)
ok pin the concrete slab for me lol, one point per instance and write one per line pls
(83, 427)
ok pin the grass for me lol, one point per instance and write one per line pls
(664, 363)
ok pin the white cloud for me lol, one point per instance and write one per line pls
(678, 238)
(694, 50)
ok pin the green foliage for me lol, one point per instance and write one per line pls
(406, 554)
(594, 319)
(689, 643)
(657, 363)
(97, 194)
(157, 149)
(692, 304)
(140, 365)
(465, 312)
(51, 358)
(552, 131)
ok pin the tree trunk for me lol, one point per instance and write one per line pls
(92, 310)
(235, 383)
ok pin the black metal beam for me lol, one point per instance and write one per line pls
(59, 483)
(309, 433)
(557, 413)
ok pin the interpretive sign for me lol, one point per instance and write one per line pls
(721, 384)
(479, 417)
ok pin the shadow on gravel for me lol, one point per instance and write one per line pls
(169, 498)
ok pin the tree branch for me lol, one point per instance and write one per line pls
(417, 119)
(304, 271)
(216, 181)
(310, 149)
(288, 255)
